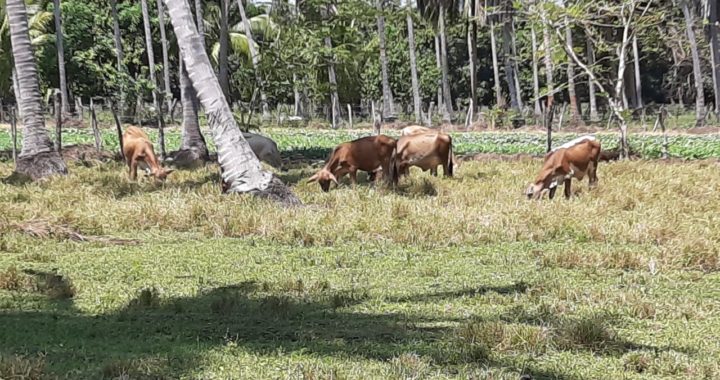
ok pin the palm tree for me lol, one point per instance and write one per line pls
(413, 65)
(223, 70)
(166, 61)
(388, 108)
(697, 72)
(153, 80)
(241, 170)
(37, 158)
(255, 58)
(61, 57)
(192, 138)
(200, 20)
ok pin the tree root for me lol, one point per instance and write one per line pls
(41, 165)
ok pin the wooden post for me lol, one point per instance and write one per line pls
(119, 130)
(350, 115)
(161, 132)
(94, 124)
(430, 110)
(58, 121)
(13, 133)
(661, 122)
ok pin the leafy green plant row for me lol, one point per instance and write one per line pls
(314, 143)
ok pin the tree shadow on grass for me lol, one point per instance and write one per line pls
(155, 337)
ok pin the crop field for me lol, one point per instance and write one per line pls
(443, 278)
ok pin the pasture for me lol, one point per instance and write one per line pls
(443, 279)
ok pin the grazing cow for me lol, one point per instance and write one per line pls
(426, 151)
(415, 129)
(264, 148)
(367, 154)
(570, 160)
(138, 151)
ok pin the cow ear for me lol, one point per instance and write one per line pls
(313, 178)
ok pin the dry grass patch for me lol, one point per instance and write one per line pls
(22, 368)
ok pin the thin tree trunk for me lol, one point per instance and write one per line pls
(510, 65)
(61, 56)
(638, 83)
(16, 89)
(715, 53)
(575, 117)
(536, 78)
(255, 58)
(594, 117)
(549, 82)
(439, 67)
(58, 120)
(241, 170)
(697, 71)
(388, 107)
(37, 158)
(223, 71)
(472, 55)
(499, 99)
(166, 60)
(296, 96)
(417, 105)
(334, 99)
(153, 79)
(119, 53)
(518, 88)
(94, 125)
(192, 138)
(448, 114)
(200, 21)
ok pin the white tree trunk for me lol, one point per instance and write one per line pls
(153, 78)
(697, 71)
(638, 83)
(417, 106)
(594, 117)
(61, 57)
(536, 78)
(388, 107)
(166, 61)
(499, 99)
(223, 70)
(448, 112)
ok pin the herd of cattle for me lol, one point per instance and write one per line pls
(385, 157)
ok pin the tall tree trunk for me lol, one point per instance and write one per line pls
(448, 114)
(549, 82)
(200, 21)
(153, 79)
(61, 57)
(594, 117)
(536, 78)
(255, 58)
(516, 66)
(241, 170)
(119, 53)
(166, 61)
(638, 83)
(334, 98)
(575, 117)
(439, 68)
(37, 158)
(192, 138)
(388, 108)
(223, 71)
(296, 96)
(499, 99)
(715, 53)
(417, 107)
(697, 72)
(510, 64)
(472, 55)
(16, 89)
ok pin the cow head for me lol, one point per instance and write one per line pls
(323, 177)
(534, 190)
(160, 173)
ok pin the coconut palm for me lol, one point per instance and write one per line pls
(241, 170)
(37, 158)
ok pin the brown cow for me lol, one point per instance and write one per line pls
(414, 130)
(571, 160)
(138, 151)
(366, 154)
(426, 151)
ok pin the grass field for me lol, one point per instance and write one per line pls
(445, 278)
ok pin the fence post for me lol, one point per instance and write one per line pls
(118, 127)
(58, 121)
(94, 124)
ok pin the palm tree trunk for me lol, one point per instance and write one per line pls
(575, 117)
(61, 57)
(638, 83)
(153, 79)
(715, 53)
(549, 82)
(697, 72)
(388, 108)
(417, 107)
(192, 138)
(516, 66)
(448, 114)
(16, 89)
(166, 61)
(439, 67)
(200, 21)
(241, 170)
(255, 58)
(594, 117)
(472, 55)
(37, 158)
(119, 53)
(223, 71)
(334, 99)
(536, 78)
(510, 65)
(499, 100)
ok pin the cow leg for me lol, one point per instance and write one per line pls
(568, 188)
(551, 192)
(133, 170)
(371, 176)
(353, 177)
(592, 175)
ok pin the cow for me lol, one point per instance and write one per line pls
(264, 148)
(573, 159)
(424, 150)
(367, 154)
(414, 130)
(138, 151)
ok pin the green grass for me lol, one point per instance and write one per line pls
(445, 278)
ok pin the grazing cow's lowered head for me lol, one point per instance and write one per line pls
(323, 177)
(574, 159)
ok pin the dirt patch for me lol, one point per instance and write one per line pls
(86, 153)
(703, 130)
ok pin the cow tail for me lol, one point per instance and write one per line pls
(451, 160)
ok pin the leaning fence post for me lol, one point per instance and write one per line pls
(58, 121)
(94, 125)
(118, 127)
(13, 133)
